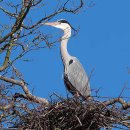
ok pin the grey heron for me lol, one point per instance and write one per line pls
(75, 77)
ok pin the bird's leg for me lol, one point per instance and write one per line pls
(76, 94)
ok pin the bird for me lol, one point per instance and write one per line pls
(75, 77)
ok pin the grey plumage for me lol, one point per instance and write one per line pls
(75, 77)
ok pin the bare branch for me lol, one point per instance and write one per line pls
(17, 24)
(73, 10)
(7, 12)
(6, 60)
(25, 89)
(8, 106)
(117, 100)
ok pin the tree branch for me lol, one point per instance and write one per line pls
(25, 89)
(124, 104)
(17, 24)
(6, 107)
(7, 12)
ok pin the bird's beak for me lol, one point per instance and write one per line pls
(52, 23)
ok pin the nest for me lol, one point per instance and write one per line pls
(71, 114)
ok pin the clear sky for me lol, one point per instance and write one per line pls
(102, 44)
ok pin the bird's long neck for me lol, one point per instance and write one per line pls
(64, 53)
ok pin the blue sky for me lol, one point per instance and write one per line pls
(102, 44)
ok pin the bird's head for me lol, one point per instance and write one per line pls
(61, 24)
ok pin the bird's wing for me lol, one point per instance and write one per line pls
(76, 78)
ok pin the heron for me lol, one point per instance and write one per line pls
(75, 77)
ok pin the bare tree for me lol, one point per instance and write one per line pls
(25, 35)
(20, 33)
